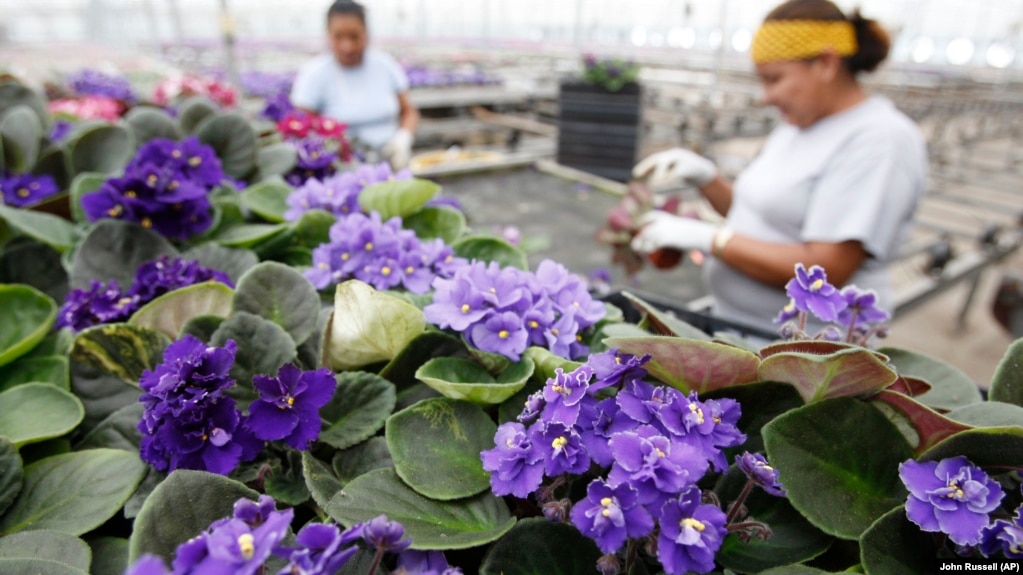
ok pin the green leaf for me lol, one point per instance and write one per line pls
(106, 149)
(984, 447)
(795, 570)
(950, 387)
(263, 346)
(150, 123)
(232, 261)
(194, 499)
(311, 230)
(432, 222)
(193, 111)
(109, 555)
(84, 183)
(929, 426)
(27, 316)
(280, 294)
(663, 323)
(844, 373)
(431, 524)
(319, 479)
(153, 478)
(34, 264)
(397, 197)
(14, 94)
(11, 473)
(536, 546)
(362, 458)
(22, 132)
(248, 235)
(988, 414)
(793, 539)
(113, 250)
(838, 459)
(169, 313)
(234, 141)
(53, 162)
(51, 230)
(37, 566)
(276, 159)
(55, 546)
(106, 364)
(268, 199)
(894, 545)
(74, 492)
(689, 364)
(285, 482)
(490, 249)
(436, 447)
(463, 379)
(368, 326)
(1007, 383)
(401, 371)
(547, 363)
(202, 327)
(118, 431)
(359, 408)
(36, 412)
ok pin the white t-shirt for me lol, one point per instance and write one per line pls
(364, 97)
(855, 175)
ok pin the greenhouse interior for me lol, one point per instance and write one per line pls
(583, 287)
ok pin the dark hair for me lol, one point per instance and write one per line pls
(872, 42)
(347, 8)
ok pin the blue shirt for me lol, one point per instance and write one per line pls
(365, 97)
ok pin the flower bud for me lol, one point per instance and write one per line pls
(557, 511)
(609, 565)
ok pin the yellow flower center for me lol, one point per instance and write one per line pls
(559, 389)
(130, 194)
(817, 285)
(465, 308)
(323, 266)
(345, 256)
(503, 334)
(194, 161)
(534, 324)
(369, 246)
(176, 154)
(23, 193)
(658, 452)
(152, 179)
(247, 545)
(173, 185)
(554, 331)
(606, 502)
(698, 412)
(694, 523)
(790, 307)
(618, 360)
(385, 271)
(559, 442)
(147, 223)
(123, 302)
(115, 211)
(409, 270)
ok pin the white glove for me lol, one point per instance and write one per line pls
(663, 230)
(676, 163)
(398, 150)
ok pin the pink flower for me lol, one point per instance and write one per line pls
(88, 108)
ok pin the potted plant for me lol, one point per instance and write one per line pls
(599, 125)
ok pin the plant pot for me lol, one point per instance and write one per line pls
(599, 130)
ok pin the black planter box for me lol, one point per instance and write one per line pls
(598, 130)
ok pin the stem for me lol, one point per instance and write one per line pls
(733, 510)
(802, 322)
(376, 562)
(852, 326)
(630, 557)
(743, 525)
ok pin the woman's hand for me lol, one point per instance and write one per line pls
(664, 230)
(676, 164)
(398, 150)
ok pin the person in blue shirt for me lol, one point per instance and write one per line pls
(360, 86)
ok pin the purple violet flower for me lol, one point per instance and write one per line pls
(189, 422)
(101, 303)
(277, 107)
(384, 535)
(516, 464)
(950, 496)
(787, 313)
(654, 465)
(289, 405)
(166, 274)
(755, 466)
(322, 550)
(90, 82)
(610, 515)
(709, 426)
(613, 368)
(60, 130)
(26, 189)
(173, 207)
(562, 448)
(501, 333)
(148, 565)
(691, 534)
(232, 546)
(415, 562)
(254, 513)
(1005, 537)
(812, 293)
(563, 394)
(188, 159)
(861, 308)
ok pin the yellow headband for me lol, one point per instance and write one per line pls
(785, 40)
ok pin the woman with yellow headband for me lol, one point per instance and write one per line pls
(836, 185)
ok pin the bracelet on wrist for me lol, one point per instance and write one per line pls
(721, 239)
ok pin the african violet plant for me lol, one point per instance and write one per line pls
(204, 404)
